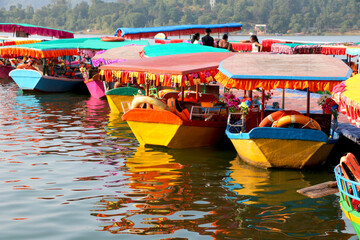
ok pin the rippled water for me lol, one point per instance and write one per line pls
(69, 170)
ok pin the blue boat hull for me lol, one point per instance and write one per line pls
(31, 80)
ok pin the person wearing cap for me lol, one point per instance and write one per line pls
(207, 40)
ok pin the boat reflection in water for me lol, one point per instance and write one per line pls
(206, 193)
(274, 208)
(200, 194)
(151, 189)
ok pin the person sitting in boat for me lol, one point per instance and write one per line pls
(195, 39)
(207, 40)
(223, 43)
(27, 65)
(256, 46)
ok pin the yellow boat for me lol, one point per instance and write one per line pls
(175, 129)
(119, 98)
(278, 144)
(282, 147)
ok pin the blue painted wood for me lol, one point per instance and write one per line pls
(281, 133)
(349, 131)
(33, 80)
(25, 79)
(301, 78)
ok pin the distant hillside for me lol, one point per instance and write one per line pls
(37, 4)
(279, 16)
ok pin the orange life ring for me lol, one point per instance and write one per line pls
(112, 39)
(300, 119)
(266, 122)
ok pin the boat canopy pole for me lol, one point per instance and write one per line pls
(308, 102)
(204, 87)
(197, 92)
(283, 99)
(44, 65)
(262, 104)
(250, 94)
(182, 94)
(147, 89)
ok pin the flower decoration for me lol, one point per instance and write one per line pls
(258, 96)
(328, 105)
(231, 101)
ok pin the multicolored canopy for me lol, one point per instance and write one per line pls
(183, 69)
(334, 49)
(62, 47)
(33, 29)
(178, 48)
(296, 48)
(150, 32)
(119, 54)
(353, 51)
(270, 71)
(347, 96)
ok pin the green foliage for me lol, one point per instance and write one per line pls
(281, 16)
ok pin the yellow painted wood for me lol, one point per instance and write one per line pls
(153, 133)
(279, 153)
(349, 214)
(115, 102)
(175, 136)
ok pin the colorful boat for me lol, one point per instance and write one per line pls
(177, 48)
(5, 70)
(346, 94)
(68, 73)
(348, 188)
(151, 32)
(114, 55)
(173, 121)
(119, 97)
(262, 144)
(165, 51)
(24, 30)
(297, 48)
(31, 80)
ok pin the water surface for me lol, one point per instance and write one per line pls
(71, 170)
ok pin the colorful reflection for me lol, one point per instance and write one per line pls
(152, 190)
(266, 186)
(274, 210)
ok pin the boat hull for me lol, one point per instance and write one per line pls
(96, 88)
(351, 214)
(282, 148)
(31, 80)
(164, 128)
(275, 153)
(115, 102)
(120, 95)
(4, 71)
(175, 136)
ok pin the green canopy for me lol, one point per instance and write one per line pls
(63, 47)
(178, 48)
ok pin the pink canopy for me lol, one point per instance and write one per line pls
(35, 30)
